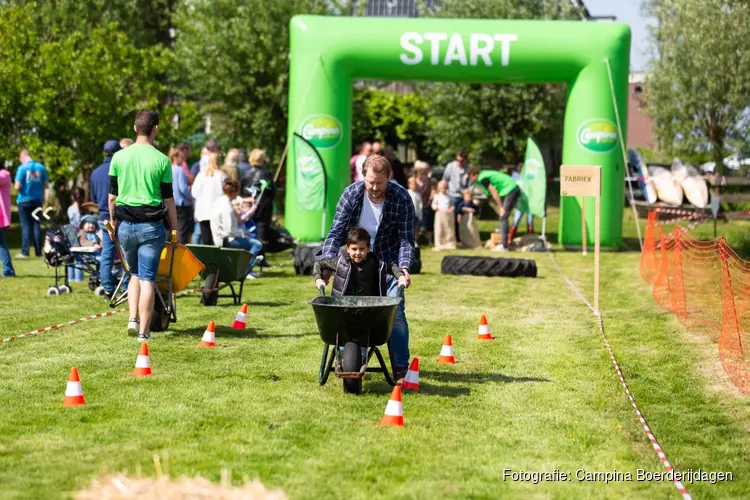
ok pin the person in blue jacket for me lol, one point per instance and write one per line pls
(100, 196)
(31, 182)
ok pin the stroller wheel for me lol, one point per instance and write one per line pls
(352, 363)
(99, 291)
(53, 292)
(65, 289)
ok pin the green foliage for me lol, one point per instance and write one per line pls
(233, 59)
(390, 117)
(494, 120)
(700, 79)
(68, 86)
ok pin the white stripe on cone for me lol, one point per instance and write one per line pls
(73, 389)
(412, 377)
(447, 350)
(484, 329)
(142, 362)
(394, 408)
(240, 317)
(208, 336)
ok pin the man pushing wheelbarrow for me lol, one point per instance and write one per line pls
(385, 210)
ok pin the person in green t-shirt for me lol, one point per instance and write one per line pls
(504, 190)
(140, 197)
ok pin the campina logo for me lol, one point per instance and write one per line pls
(597, 135)
(323, 131)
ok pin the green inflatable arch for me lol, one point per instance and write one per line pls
(329, 53)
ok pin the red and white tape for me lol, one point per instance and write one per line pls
(675, 211)
(34, 333)
(600, 323)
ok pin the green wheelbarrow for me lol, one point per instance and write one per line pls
(351, 325)
(224, 267)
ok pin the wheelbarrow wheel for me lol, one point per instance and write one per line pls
(160, 317)
(352, 362)
(210, 298)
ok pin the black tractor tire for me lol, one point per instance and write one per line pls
(352, 362)
(487, 266)
(304, 259)
(210, 297)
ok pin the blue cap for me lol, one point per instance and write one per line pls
(111, 147)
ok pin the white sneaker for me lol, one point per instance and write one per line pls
(251, 276)
(21, 256)
(133, 327)
(144, 337)
(500, 248)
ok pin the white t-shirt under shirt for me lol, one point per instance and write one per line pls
(369, 219)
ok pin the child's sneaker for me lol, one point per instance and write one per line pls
(133, 327)
(500, 248)
(143, 337)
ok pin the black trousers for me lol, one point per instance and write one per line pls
(184, 224)
(206, 238)
(509, 203)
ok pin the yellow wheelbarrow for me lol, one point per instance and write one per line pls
(177, 268)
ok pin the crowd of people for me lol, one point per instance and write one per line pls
(220, 200)
(446, 211)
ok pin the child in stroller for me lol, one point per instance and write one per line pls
(63, 250)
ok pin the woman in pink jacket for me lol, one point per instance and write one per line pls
(5, 183)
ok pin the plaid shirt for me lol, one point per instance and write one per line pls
(394, 241)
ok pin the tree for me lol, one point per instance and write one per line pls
(494, 121)
(699, 84)
(233, 59)
(68, 86)
(391, 117)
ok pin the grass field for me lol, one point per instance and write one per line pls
(542, 396)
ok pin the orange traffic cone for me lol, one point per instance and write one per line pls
(484, 330)
(446, 353)
(411, 380)
(143, 362)
(394, 411)
(74, 390)
(208, 336)
(240, 322)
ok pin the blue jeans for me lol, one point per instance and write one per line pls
(108, 259)
(400, 332)
(517, 218)
(251, 245)
(75, 273)
(30, 226)
(196, 239)
(5, 261)
(142, 243)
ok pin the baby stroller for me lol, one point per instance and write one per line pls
(61, 251)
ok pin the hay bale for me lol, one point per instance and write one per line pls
(121, 487)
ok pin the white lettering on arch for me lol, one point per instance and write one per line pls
(407, 43)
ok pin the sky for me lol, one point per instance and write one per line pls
(628, 12)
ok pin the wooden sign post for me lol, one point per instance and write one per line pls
(585, 181)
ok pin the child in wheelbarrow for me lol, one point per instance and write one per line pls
(357, 271)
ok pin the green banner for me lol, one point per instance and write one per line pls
(310, 176)
(533, 181)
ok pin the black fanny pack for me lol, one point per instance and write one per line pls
(146, 213)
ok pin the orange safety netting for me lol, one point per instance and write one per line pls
(707, 286)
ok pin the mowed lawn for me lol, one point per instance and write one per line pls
(542, 396)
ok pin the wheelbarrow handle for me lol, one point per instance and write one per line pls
(173, 237)
(401, 289)
(322, 289)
